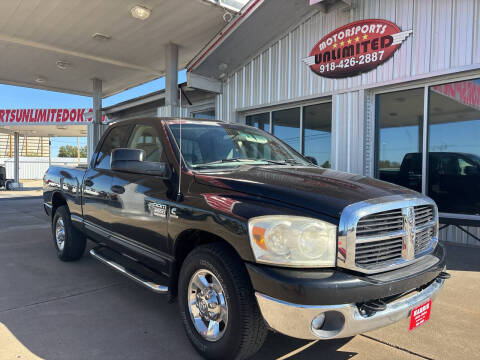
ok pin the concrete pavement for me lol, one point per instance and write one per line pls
(83, 310)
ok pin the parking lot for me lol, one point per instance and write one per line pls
(84, 310)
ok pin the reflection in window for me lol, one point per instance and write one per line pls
(454, 146)
(399, 142)
(317, 133)
(286, 126)
(206, 114)
(261, 121)
(115, 139)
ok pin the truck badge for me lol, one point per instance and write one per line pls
(409, 227)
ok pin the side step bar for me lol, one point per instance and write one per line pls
(148, 283)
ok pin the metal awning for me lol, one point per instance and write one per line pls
(52, 44)
(258, 24)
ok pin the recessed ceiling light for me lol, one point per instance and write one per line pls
(64, 65)
(101, 37)
(222, 66)
(40, 80)
(222, 75)
(140, 12)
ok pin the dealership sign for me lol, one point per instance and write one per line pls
(355, 48)
(46, 116)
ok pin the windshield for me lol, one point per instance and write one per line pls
(226, 145)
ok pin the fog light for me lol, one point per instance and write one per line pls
(318, 321)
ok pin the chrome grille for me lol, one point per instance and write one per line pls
(422, 240)
(379, 223)
(393, 236)
(375, 252)
(423, 214)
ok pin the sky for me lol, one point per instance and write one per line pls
(16, 97)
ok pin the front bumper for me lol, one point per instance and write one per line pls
(340, 320)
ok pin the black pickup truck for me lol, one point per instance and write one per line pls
(248, 234)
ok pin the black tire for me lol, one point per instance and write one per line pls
(74, 241)
(8, 185)
(245, 331)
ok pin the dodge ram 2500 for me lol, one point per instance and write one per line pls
(248, 234)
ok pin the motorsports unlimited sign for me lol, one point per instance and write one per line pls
(46, 116)
(355, 48)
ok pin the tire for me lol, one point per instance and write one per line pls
(8, 185)
(244, 331)
(74, 242)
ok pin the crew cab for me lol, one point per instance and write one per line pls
(248, 234)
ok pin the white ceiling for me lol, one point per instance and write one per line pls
(34, 34)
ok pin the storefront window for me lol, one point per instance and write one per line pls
(454, 147)
(317, 133)
(206, 114)
(261, 121)
(399, 137)
(286, 126)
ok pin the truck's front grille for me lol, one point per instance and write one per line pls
(423, 214)
(422, 240)
(380, 223)
(393, 235)
(376, 252)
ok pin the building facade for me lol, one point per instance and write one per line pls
(413, 119)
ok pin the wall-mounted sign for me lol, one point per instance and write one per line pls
(46, 116)
(355, 48)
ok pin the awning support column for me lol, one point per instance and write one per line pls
(94, 131)
(171, 80)
(16, 159)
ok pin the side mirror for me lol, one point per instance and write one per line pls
(471, 170)
(132, 161)
(312, 160)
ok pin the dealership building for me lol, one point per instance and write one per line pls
(378, 88)
(384, 88)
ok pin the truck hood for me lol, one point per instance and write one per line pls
(320, 190)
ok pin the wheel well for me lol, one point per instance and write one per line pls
(185, 243)
(57, 200)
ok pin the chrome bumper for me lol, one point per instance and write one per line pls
(340, 320)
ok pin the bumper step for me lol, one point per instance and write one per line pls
(132, 269)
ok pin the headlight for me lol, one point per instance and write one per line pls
(293, 241)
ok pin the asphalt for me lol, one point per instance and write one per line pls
(83, 310)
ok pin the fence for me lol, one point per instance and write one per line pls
(33, 168)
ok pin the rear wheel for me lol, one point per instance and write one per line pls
(69, 242)
(8, 185)
(218, 306)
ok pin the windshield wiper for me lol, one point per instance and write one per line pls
(274, 162)
(216, 162)
(282, 162)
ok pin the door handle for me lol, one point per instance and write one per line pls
(117, 189)
(88, 182)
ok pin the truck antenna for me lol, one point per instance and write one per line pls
(179, 192)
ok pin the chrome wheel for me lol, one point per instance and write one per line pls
(207, 305)
(60, 234)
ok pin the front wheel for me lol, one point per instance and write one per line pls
(218, 306)
(69, 242)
